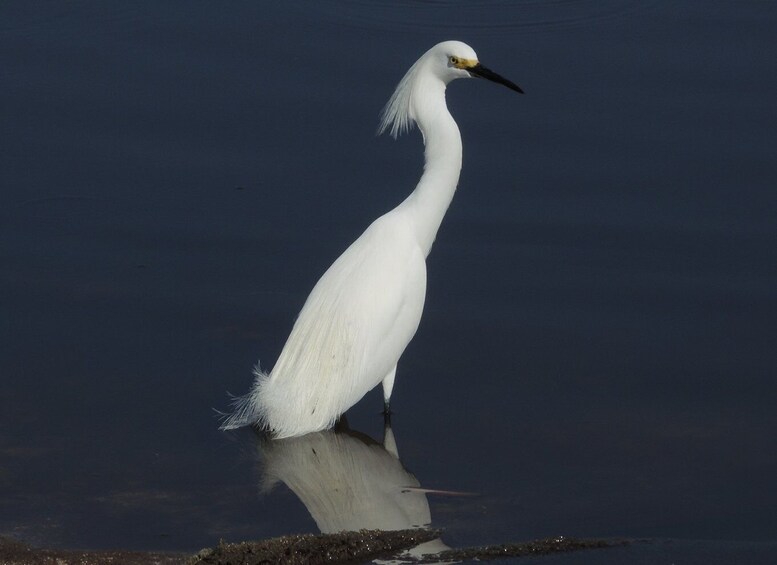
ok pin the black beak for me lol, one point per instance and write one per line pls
(482, 72)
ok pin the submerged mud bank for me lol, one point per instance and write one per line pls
(312, 549)
(345, 547)
(349, 547)
(13, 552)
(536, 547)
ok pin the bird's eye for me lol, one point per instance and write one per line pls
(454, 60)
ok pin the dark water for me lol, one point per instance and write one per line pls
(597, 355)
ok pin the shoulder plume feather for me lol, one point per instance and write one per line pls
(397, 116)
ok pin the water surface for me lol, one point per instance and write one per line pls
(597, 352)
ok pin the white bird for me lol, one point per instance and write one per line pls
(366, 307)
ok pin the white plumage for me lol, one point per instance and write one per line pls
(366, 307)
(347, 481)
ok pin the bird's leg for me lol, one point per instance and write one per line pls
(388, 386)
(389, 442)
(386, 416)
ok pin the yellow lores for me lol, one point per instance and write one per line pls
(463, 63)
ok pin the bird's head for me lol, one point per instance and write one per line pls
(443, 63)
(450, 60)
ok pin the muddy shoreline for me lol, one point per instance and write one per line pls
(345, 547)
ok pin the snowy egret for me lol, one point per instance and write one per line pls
(366, 308)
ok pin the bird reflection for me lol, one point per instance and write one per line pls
(348, 482)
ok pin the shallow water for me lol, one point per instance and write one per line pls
(597, 352)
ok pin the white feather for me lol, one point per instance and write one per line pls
(350, 333)
(346, 481)
(397, 115)
(366, 308)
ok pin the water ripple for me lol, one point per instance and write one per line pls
(487, 17)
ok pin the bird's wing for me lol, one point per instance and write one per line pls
(356, 322)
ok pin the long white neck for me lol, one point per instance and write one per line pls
(430, 200)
